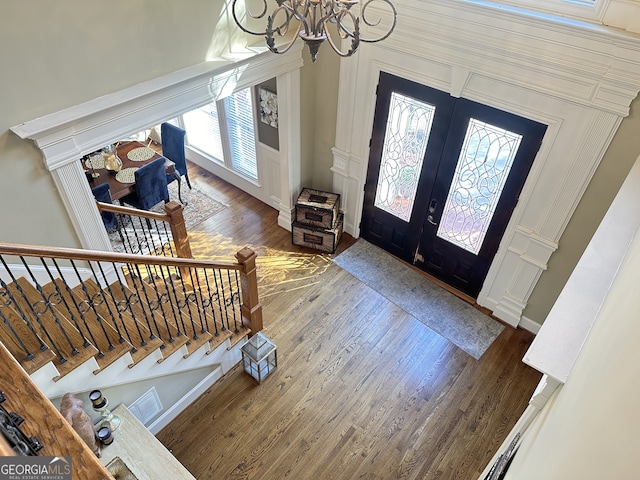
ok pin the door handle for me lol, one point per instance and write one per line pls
(433, 204)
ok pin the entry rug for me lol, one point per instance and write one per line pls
(199, 207)
(438, 309)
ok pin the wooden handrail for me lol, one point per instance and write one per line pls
(173, 217)
(251, 306)
(110, 207)
(100, 256)
(43, 420)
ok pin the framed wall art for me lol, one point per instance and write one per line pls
(268, 107)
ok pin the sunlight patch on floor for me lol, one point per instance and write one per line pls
(278, 270)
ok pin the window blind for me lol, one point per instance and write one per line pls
(203, 130)
(238, 109)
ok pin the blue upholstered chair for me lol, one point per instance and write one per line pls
(103, 194)
(173, 149)
(150, 187)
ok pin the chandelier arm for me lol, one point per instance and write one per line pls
(364, 19)
(301, 17)
(355, 38)
(314, 19)
(242, 27)
(271, 40)
(283, 28)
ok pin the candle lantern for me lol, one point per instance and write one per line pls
(100, 404)
(259, 356)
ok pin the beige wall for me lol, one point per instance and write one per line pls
(319, 86)
(58, 54)
(72, 51)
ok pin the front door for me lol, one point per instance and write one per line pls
(444, 177)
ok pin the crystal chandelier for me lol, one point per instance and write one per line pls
(317, 20)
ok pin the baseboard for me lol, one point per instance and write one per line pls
(529, 325)
(171, 413)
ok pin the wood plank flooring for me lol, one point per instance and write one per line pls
(362, 389)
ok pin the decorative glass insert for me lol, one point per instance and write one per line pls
(483, 167)
(405, 142)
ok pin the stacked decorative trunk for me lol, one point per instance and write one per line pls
(318, 221)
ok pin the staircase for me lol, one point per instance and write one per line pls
(77, 320)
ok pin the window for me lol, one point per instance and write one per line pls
(225, 131)
(580, 9)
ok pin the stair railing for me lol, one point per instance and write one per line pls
(72, 303)
(145, 232)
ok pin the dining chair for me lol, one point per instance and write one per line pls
(102, 193)
(150, 186)
(173, 148)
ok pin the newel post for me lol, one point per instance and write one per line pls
(251, 306)
(178, 229)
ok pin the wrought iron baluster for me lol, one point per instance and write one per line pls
(179, 304)
(168, 236)
(166, 298)
(75, 303)
(107, 305)
(72, 314)
(157, 250)
(219, 289)
(188, 299)
(48, 303)
(121, 307)
(28, 354)
(204, 322)
(225, 302)
(207, 304)
(154, 305)
(235, 299)
(90, 305)
(133, 299)
(53, 345)
(7, 302)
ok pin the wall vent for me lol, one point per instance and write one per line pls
(147, 406)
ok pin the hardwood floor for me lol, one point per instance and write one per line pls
(362, 389)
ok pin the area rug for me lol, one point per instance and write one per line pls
(438, 309)
(199, 207)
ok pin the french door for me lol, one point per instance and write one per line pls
(444, 177)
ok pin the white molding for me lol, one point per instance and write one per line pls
(42, 277)
(576, 77)
(543, 393)
(529, 325)
(175, 409)
(289, 144)
(64, 136)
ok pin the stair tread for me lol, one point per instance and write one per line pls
(73, 348)
(31, 342)
(136, 332)
(167, 330)
(235, 331)
(106, 341)
(187, 321)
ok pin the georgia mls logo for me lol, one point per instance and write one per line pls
(35, 468)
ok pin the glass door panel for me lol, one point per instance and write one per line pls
(483, 167)
(405, 142)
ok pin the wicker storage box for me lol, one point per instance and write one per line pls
(323, 239)
(317, 208)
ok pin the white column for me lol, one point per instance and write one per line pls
(289, 138)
